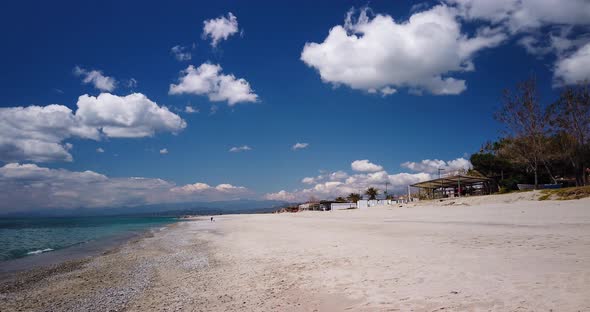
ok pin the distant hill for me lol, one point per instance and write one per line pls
(176, 209)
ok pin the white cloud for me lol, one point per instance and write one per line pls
(237, 149)
(432, 165)
(339, 183)
(546, 26)
(308, 180)
(28, 186)
(573, 68)
(387, 91)
(428, 50)
(365, 166)
(220, 28)
(380, 53)
(428, 165)
(164, 151)
(132, 83)
(298, 146)
(100, 150)
(333, 176)
(190, 110)
(181, 53)
(229, 188)
(338, 175)
(192, 188)
(203, 187)
(33, 187)
(130, 116)
(281, 195)
(459, 164)
(96, 78)
(37, 133)
(208, 80)
(525, 15)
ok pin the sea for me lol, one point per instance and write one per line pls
(27, 238)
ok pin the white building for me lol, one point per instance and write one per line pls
(341, 206)
(305, 206)
(364, 203)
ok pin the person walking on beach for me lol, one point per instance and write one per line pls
(211, 219)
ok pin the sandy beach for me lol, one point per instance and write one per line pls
(498, 253)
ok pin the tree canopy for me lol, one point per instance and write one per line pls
(372, 193)
(539, 144)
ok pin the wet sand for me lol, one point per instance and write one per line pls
(494, 254)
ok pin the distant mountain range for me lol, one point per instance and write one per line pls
(176, 209)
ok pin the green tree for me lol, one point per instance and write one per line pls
(340, 199)
(372, 192)
(353, 197)
(488, 162)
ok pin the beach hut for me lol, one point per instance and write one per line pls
(454, 186)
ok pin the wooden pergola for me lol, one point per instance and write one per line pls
(455, 184)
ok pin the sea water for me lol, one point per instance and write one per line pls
(29, 237)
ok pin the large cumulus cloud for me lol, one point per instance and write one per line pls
(543, 27)
(130, 116)
(428, 52)
(380, 54)
(37, 133)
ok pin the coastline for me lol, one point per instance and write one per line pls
(76, 253)
(497, 255)
(108, 281)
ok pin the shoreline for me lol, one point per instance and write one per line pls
(114, 270)
(75, 253)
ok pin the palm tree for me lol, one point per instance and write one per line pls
(353, 197)
(340, 199)
(372, 193)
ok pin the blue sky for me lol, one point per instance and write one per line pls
(299, 99)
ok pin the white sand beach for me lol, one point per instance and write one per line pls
(495, 253)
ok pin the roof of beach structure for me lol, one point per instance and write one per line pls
(451, 181)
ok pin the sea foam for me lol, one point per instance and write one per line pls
(36, 252)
